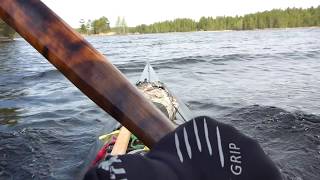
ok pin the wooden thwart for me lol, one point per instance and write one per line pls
(121, 145)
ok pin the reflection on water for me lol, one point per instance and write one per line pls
(8, 116)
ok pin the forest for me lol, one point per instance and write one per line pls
(276, 18)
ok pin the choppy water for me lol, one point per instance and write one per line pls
(266, 83)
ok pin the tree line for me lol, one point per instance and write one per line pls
(276, 18)
(102, 25)
(177, 25)
(97, 26)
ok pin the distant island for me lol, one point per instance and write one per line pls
(276, 18)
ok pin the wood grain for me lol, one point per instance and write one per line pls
(121, 145)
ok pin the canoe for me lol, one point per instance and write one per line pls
(121, 141)
(159, 94)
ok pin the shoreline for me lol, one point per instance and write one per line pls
(217, 31)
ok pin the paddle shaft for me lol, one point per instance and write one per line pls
(86, 68)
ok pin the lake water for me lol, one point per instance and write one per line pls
(265, 83)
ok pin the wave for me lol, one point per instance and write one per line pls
(207, 105)
(271, 113)
(291, 139)
(180, 61)
(137, 66)
(50, 144)
(49, 74)
(131, 67)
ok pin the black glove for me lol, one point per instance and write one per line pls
(201, 149)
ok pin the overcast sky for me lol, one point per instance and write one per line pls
(149, 11)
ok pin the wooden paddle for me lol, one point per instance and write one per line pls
(86, 68)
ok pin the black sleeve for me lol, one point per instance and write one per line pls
(200, 149)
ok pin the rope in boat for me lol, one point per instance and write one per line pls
(177, 110)
(135, 146)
